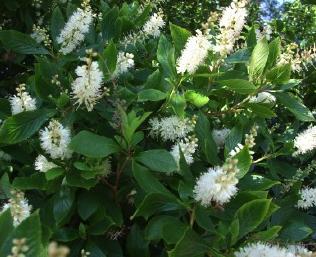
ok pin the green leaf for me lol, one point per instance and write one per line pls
(240, 56)
(268, 234)
(258, 59)
(56, 24)
(20, 43)
(36, 181)
(295, 231)
(30, 229)
(151, 95)
(157, 160)
(5, 186)
(155, 203)
(190, 245)
(63, 203)
(6, 224)
(239, 86)
(108, 28)
(256, 183)
(300, 111)
(130, 123)
(244, 162)
(87, 204)
(262, 110)
(179, 36)
(5, 108)
(19, 127)
(196, 99)
(280, 74)
(165, 227)
(43, 86)
(206, 141)
(274, 52)
(165, 56)
(136, 244)
(92, 145)
(147, 181)
(250, 219)
(252, 37)
(110, 57)
(178, 104)
(54, 173)
(234, 138)
(74, 179)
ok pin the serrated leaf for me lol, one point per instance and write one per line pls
(151, 95)
(258, 59)
(20, 43)
(93, 145)
(21, 126)
(250, 219)
(157, 160)
(239, 86)
(300, 111)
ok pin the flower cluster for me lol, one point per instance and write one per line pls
(187, 146)
(86, 88)
(231, 24)
(75, 29)
(19, 207)
(249, 142)
(260, 249)
(55, 139)
(40, 34)
(54, 250)
(154, 25)
(42, 164)
(19, 248)
(218, 184)
(308, 198)
(22, 101)
(125, 61)
(171, 128)
(194, 53)
(305, 141)
(152, 28)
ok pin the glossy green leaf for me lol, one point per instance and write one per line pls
(93, 145)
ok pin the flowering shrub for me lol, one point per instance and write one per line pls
(123, 140)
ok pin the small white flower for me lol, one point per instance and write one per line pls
(154, 25)
(75, 29)
(305, 141)
(236, 150)
(231, 24)
(308, 198)
(219, 136)
(171, 128)
(125, 61)
(263, 97)
(86, 88)
(188, 147)
(22, 101)
(260, 249)
(299, 251)
(19, 207)
(55, 140)
(215, 185)
(42, 164)
(194, 53)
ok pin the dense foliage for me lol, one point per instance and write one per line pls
(123, 134)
